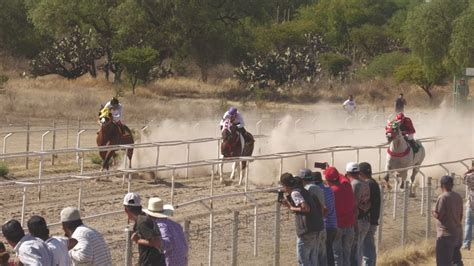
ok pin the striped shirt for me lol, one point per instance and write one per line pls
(91, 248)
(174, 247)
(330, 221)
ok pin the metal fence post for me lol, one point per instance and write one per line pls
(235, 238)
(276, 255)
(27, 159)
(255, 231)
(128, 246)
(79, 199)
(394, 198)
(54, 143)
(5, 143)
(211, 238)
(428, 210)
(382, 209)
(406, 193)
(23, 206)
(186, 230)
(187, 159)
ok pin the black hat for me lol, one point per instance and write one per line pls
(317, 177)
(365, 168)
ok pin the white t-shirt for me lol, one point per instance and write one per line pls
(91, 248)
(60, 252)
(349, 105)
(117, 112)
(33, 251)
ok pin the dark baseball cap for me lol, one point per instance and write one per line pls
(306, 174)
(317, 177)
(365, 168)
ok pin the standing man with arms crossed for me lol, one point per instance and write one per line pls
(448, 212)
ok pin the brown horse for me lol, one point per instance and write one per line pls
(111, 134)
(233, 145)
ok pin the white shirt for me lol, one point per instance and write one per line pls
(91, 248)
(349, 105)
(33, 251)
(117, 112)
(237, 120)
(58, 247)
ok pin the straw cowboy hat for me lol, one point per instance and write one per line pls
(157, 209)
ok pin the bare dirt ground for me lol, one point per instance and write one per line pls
(106, 195)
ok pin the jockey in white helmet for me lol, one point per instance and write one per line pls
(115, 107)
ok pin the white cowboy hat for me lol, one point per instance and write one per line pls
(157, 209)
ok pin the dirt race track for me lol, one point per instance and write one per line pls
(106, 196)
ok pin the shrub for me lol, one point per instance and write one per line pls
(335, 64)
(95, 159)
(383, 65)
(3, 79)
(4, 169)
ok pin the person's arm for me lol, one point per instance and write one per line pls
(303, 207)
(150, 234)
(439, 211)
(241, 119)
(82, 252)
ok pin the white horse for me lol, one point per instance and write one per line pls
(233, 145)
(401, 155)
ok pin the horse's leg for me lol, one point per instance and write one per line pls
(130, 155)
(412, 181)
(234, 166)
(403, 175)
(241, 174)
(221, 170)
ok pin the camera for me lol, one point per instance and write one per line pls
(280, 196)
(321, 165)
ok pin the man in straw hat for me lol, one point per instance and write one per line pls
(174, 244)
(145, 234)
(86, 245)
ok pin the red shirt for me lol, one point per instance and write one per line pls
(345, 203)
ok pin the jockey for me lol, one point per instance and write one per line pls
(408, 130)
(115, 107)
(236, 119)
(349, 105)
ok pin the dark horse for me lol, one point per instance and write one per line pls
(111, 134)
(233, 145)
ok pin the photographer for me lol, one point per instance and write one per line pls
(308, 219)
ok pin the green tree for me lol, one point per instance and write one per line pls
(17, 33)
(428, 33)
(414, 73)
(461, 49)
(59, 17)
(383, 65)
(138, 62)
(70, 57)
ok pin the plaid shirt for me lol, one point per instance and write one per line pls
(174, 247)
(469, 182)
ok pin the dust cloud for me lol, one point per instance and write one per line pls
(308, 128)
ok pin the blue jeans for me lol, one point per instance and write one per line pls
(361, 230)
(467, 228)
(342, 246)
(322, 253)
(369, 254)
(307, 249)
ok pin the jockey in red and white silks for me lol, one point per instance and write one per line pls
(408, 130)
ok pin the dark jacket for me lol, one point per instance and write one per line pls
(375, 202)
(308, 222)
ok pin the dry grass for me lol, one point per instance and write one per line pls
(53, 97)
(412, 254)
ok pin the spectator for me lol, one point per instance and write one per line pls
(369, 255)
(349, 105)
(29, 249)
(326, 256)
(85, 245)
(448, 212)
(362, 199)
(38, 228)
(307, 177)
(345, 215)
(174, 244)
(469, 182)
(4, 256)
(145, 234)
(400, 103)
(308, 220)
